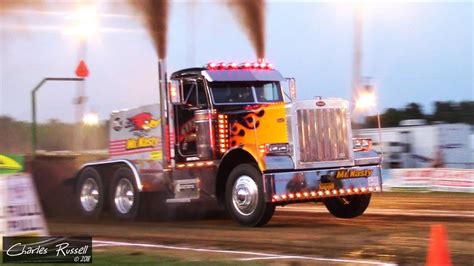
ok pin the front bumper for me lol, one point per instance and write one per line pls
(312, 185)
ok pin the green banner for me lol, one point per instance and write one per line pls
(11, 163)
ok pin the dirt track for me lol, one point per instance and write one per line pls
(389, 238)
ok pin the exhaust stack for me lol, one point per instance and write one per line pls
(163, 84)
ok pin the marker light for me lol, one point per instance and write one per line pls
(234, 65)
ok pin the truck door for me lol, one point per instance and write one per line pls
(193, 99)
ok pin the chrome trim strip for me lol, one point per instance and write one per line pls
(367, 161)
(127, 162)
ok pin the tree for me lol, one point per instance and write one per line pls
(392, 117)
(414, 111)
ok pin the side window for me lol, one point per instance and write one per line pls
(194, 94)
(189, 93)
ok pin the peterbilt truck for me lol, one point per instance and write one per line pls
(232, 134)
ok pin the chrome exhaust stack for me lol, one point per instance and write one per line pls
(163, 84)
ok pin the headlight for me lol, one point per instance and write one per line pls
(362, 144)
(276, 149)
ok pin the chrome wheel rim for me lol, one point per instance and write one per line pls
(89, 194)
(245, 195)
(124, 196)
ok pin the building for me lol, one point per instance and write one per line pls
(415, 144)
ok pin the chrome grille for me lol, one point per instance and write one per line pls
(323, 135)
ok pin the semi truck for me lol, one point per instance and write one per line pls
(232, 134)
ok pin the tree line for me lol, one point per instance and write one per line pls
(54, 135)
(444, 112)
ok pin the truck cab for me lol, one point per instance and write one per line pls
(234, 133)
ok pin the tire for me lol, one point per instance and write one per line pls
(124, 197)
(347, 207)
(247, 210)
(90, 193)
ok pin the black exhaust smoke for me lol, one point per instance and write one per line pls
(251, 14)
(6, 5)
(155, 18)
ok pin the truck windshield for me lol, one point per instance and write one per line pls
(246, 92)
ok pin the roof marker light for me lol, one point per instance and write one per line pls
(211, 65)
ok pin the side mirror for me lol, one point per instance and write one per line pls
(291, 88)
(175, 88)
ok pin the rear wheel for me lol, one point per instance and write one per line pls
(245, 200)
(90, 193)
(124, 197)
(347, 207)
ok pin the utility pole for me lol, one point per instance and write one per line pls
(80, 100)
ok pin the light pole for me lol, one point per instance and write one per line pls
(366, 101)
(357, 49)
(84, 25)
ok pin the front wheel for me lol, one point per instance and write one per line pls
(124, 196)
(244, 197)
(347, 207)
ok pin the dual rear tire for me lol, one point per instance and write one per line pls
(123, 197)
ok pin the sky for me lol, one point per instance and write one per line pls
(412, 52)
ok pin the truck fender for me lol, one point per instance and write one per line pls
(231, 159)
(127, 163)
